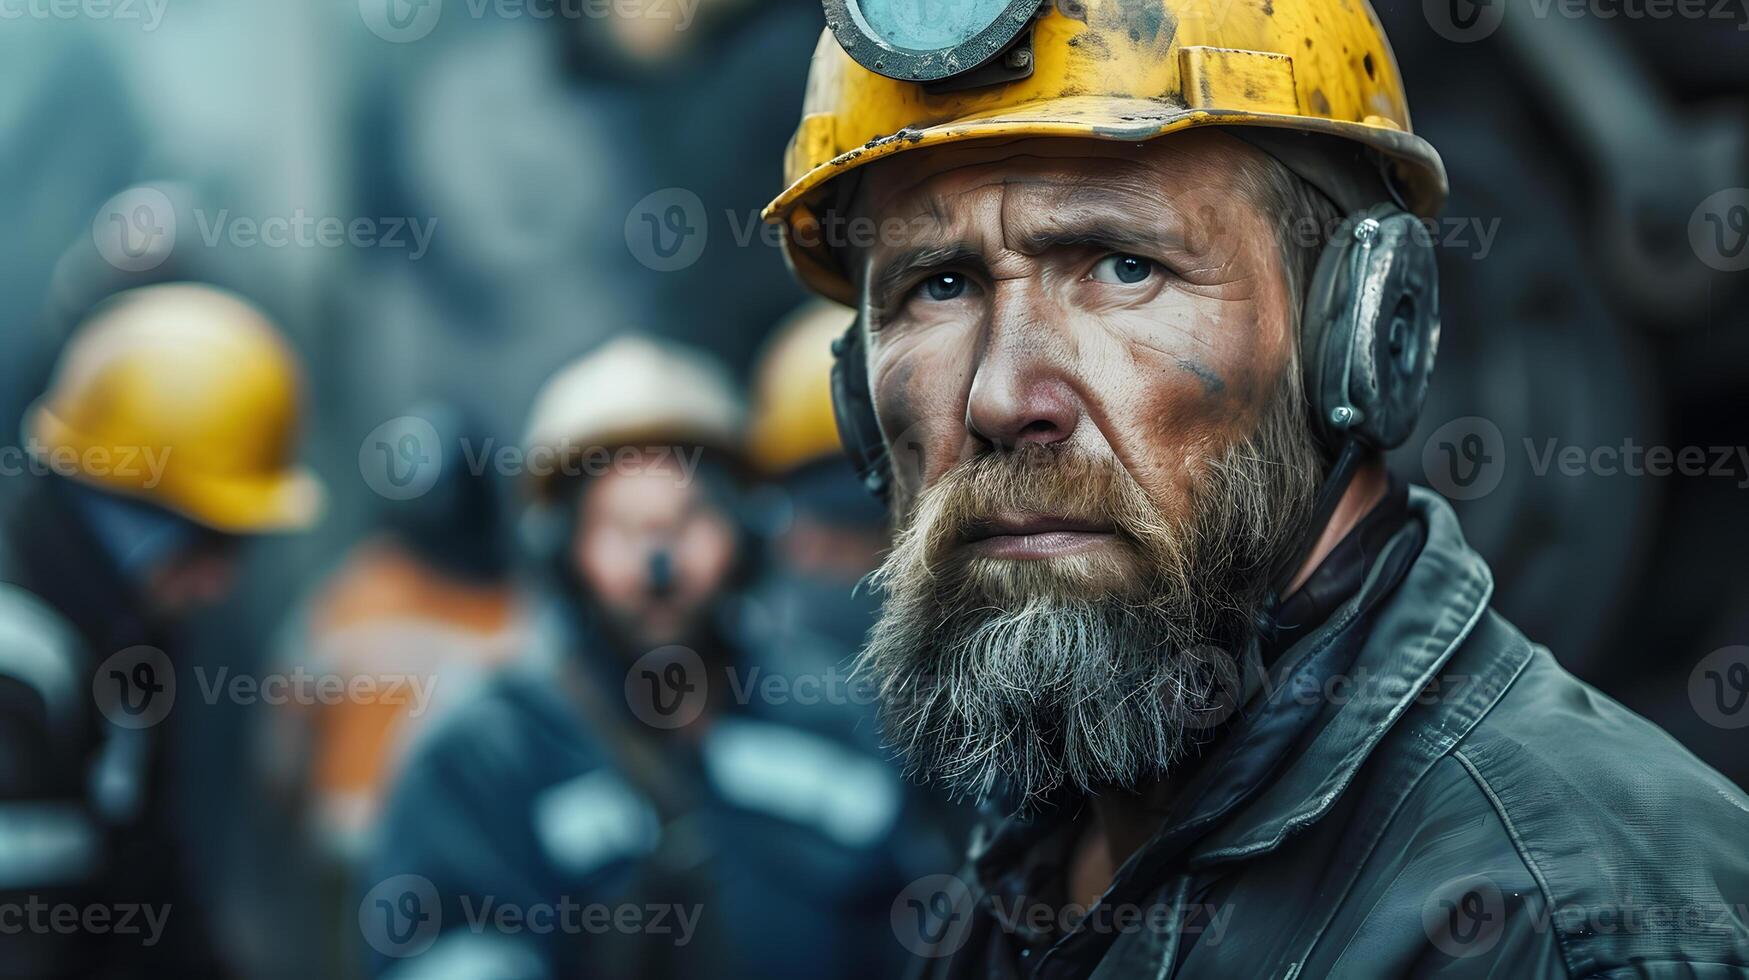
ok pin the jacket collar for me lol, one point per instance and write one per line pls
(1398, 631)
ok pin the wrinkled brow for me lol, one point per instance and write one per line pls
(1113, 231)
(1092, 231)
(1121, 212)
(902, 266)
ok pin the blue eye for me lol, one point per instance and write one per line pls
(944, 287)
(1125, 269)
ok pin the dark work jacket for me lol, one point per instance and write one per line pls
(1417, 790)
(768, 847)
(83, 819)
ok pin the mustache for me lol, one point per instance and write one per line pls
(1066, 484)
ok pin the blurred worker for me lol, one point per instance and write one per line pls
(413, 618)
(166, 435)
(811, 610)
(1163, 301)
(624, 804)
(827, 531)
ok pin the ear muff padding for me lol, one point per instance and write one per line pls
(853, 409)
(1370, 330)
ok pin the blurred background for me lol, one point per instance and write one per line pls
(441, 202)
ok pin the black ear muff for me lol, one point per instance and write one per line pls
(1370, 330)
(854, 411)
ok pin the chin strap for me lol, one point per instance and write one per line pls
(1329, 495)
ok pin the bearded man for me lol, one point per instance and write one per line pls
(1145, 293)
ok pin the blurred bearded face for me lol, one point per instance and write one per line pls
(654, 548)
(1083, 358)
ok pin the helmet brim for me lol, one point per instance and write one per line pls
(290, 500)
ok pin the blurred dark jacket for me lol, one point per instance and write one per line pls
(757, 847)
(84, 822)
(1421, 792)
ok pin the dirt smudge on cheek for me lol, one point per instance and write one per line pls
(894, 404)
(1212, 383)
(897, 410)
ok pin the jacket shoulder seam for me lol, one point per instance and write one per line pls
(1518, 845)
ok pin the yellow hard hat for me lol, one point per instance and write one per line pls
(793, 422)
(186, 396)
(1121, 70)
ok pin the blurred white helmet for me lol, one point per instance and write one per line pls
(638, 390)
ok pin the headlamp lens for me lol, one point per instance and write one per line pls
(928, 25)
(927, 40)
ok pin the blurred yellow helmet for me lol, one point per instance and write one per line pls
(1122, 70)
(193, 377)
(793, 424)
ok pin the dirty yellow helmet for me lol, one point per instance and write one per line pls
(1123, 70)
(793, 424)
(193, 377)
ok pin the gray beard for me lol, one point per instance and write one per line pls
(992, 676)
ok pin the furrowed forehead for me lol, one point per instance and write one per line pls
(1053, 190)
(1193, 158)
(931, 189)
